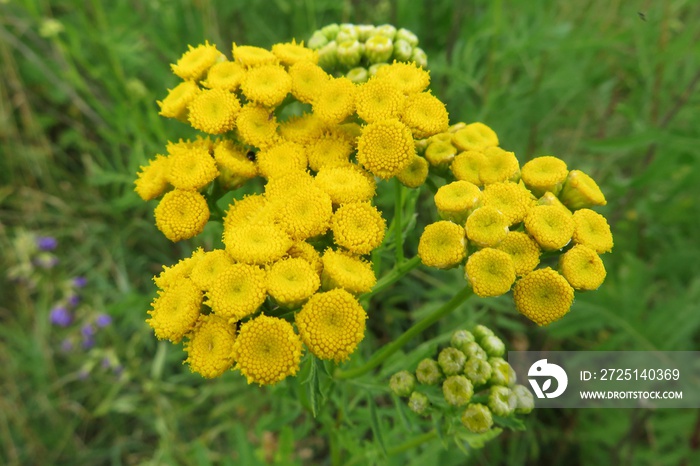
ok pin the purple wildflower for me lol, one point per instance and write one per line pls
(79, 282)
(46, 243)
(61, 316)
(73, 300)
(103, 320)
(87, 330)
(88, 341)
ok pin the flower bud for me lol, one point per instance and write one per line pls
(493, 346)
(550, 199)
(451, 361)
(349, 53)
(402, 383)
(402, 50)
(419, 57)
(418, 403)
(373, 68)
(330, 31)
(318, 40)
(408, 36)
(460, 338)
(502, 401)
(378, 49)
(474, 351)
(478, 371)
(524, 400)
(481, 331)
(358, 75)
(328, 55)
(457, 390)
(386, 30)
(477, 418)
(581, 191)
(428, 372)
(501, 372)
(364, 31)
(346, 31)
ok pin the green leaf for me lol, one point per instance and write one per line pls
(512, 423)
(374, 419)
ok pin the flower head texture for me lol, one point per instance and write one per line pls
(279, 187)
(234, 166)
(281, 159)
(225, 75)
(592, 230)
(379, 99)
(467, 166)
(524, 251)
(181, 214)
(290, 53)
(332, 324)
(292, 281)
(329, 151)
(428, 372)
(543, 296)
(358, 227)
(182, 270)
(440, 153)
(475, 136)
(342, 270)
(304, 250)
(209, 267)
(346, 184)
(512, 199)
(304, 213)
(303, 129)
(425, 114)
(249, 210)
(477, 418)
(457, 390)
(335, 100)
(175, 310)
(250, 56)
(543, 174)
(214, 111)
(307, 79)
(266, 85)
(178, 100)
(256, 243)
(210, 346)
(194, 63)
(442, 245)
(402, 383)
(257, 126)
(500, 165)
(456, 200)
(415, 173)
(408, 77)
(152, 180)
(237, 291)
(551, 226)
(385, 148)
(582, 268)
(490, 272)
(191, 170)
(581, 191)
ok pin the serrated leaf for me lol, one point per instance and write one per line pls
(512, 422)
(437, 425)
(374, 419)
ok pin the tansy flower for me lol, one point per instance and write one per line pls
(332, 324)
(378, 49)
(199, 143)
(291, 281)
(191, 170)
(544, 174)
(550, 199)
(209, 267)
(486, 227)
(467, 165)
(267, 350)
(152, 180)
(303, 250)
(181, 214)
(237, 291)
(456, 200)
(290, 53)
(524, 251)
(175, 310)
(500, 165)
(341, 270)
(178, 272)
(196, 61)
(512, 199)
(257, 126)
(328, 151)
(251, 209)
(425, 114)
(256, 243)
(490, 272)
(475, 136)
(178, 99)
(350, 131)
(249, 56)
(304, 213)
(210, 346)
(234, 166)
(440, 153)
(551, 226)
(302, 129)
(385, 148)
(582, 268)
(415, 173)
(346, 184)
(358, 227)
(266, 85)
(307, 79)
(543, 296)
(379, 99)
(281, 186)
(214, 111)
(227, 75)
(592, 230)
(442, 245)
(580, 191)
(281, 159)
(335, 100)
(408, 77)
(358, 75)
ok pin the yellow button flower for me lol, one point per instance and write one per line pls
(335, 100)
(303, 129)
(440, 152)
(181, 214)
(191, 170)
(249, 56)
(486, 227)
(407, 77)
(475, 136)
(257, 126)
(358, 227)
(251, 209)
(550, 199)
(281, 159)
(332, 324)
(524, 251)
(256, 243)
(500, 165)
(442, 245)
(234, 166)
(582, 268)
(346, 184)
(194, 63)
(342, 270)
(512, 199)
(385, 148)
(580, 191)
(180, 271)
(209, 267)
(175, 310)
(267, 85)
(267, 350)
(543, 174)
(290, 53)
(303, 250)
(467, 166)
(210, 348)
(214, 111)
(456, 200)
(543, 296)
(237, 291)
(591, 229)
(490, 272)
(425, 114)
(304, 213)
(281, 186)
(379, 99)
(291, 282)
(307, 79)
(152, 180)
(551, 226)
(227, 75)
(328, 151)
(415, 173)
(178, 99)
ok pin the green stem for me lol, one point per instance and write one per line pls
(398, 222)
(414, 442)
(393, 276)
(381, 355)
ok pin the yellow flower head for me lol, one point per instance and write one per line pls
(408, 77)
(329, 151)
(291, 282)
(456, 200)
(267, 350)
(415, 173)
(335, 100)
(486, 227)
(512, 199)
(209, 350)
(178, 99)
(346, 184)
(543, 296)
(550, 199)
(200, 143)
(209, 267)
(524, 251)
(281, 159)
(227, 75)
(358, 227)
(475, 136)
(332, 324)
(302, 129)
(256, 243)
(249, 210)
(425, 114)
(180, 271)
(440, 152)
(467, 166)
(280, 186)
(544, 174)
(379, 99)
(181, 214)
(304, 213)
(350, 131)
(194, 63)
(175, 310)
(234, 166)
(385, 148)
(266, 85)
(214, 111)
(290, 53)
(257, 126)
(592, 230)
(307, 79)
(500, 165)
(191, 170)
(237, 291)
(551, 226)
(152, 180)
(342, 270)
(303, 250)
(442, 245)
(490, 272)
(582, 268)
(249, 56)
(580, 191)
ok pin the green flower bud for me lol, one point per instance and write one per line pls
(364, 31)
(474, 351)
(451, 361)
(525, 402)
(347, 31)
(501, 372)
(345, 37)
(402, 383)
(502, 401)
(419, 57)
(330, 31)
(460, 338)
(481, 331)
(373, 68)
(478, 371)
(428, 372)
(318, 40)
(378, 49)
(402, 50)
(493, 345)
(328, 55)
(408, 36)
(418, 403)
(477, 418)
(358, 75)
(386, 30)
(349, 53)
(457, 390)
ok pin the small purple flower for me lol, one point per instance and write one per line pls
(79, 282)
(46, 243)
(61, 316)
(88, 341)
(73, 300)
(88, 330)
(103, 320)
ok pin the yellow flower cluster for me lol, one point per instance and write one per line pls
(499, 218)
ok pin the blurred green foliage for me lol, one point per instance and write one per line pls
(609, 86)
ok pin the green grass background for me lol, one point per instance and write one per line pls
(609, 86)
